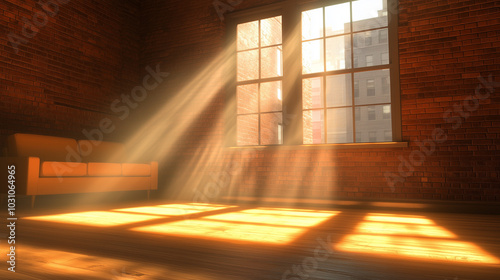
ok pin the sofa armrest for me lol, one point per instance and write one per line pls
(154, 175)
(26, 176)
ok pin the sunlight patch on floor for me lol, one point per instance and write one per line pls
(95, 218)
(277, 217)
(411, 236)
(174, 209)
(262, 225)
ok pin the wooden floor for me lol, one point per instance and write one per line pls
(156, 240)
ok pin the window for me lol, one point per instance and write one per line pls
(371, 114)
(370, 87)
(259, 82)
(368, 38)
(345, 73)
(386, 113)
(369, 60)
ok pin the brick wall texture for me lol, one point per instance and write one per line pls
(64, 79)
(73, 59)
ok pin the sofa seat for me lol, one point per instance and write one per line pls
(104, 169)
(62, 169)
(136, 169)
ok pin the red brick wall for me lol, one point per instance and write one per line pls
(444, 47)
(68, 71)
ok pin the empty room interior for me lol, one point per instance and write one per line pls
(250, 139)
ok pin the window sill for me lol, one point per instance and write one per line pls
(378, 145)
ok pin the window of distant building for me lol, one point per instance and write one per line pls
(371, 114)
(368, 38)
(370, 87)
(369, 60)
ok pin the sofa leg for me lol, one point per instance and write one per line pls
(32, 201)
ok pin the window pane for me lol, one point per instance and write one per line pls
(247, 99)
(338, 53)
(247, 130)
(248, 65)
(248, 35)
(270, 31)
(372, 120)
(271, 64)
(363, 50)
(312, 24)
(337, 19)
(373, 87)
(313, 127)
(368, 14)
(313, 57)
(269, 128)
(338, 90)
(312, 93)
(339, 125)
(270, 96)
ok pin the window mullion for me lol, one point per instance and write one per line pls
(292, 79)
(260, 82)
(325, 111)
(352, 76)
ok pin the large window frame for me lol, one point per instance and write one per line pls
(291, 13)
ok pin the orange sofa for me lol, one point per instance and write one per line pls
(46, 165)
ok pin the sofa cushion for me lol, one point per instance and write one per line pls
(62, 169)
(101, 151)
(47, 148)
(104, 169)
(136, 169)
